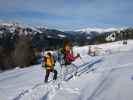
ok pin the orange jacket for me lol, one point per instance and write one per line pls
(49, 62)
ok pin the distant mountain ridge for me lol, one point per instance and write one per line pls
(42, 36)
(99, 30)
(11, 26)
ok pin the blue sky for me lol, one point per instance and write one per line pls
(69, 14)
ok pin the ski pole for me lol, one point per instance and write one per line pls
(81, 59)
(43, 56)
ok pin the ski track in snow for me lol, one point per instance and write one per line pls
(30, 90)
(13, 76)
(87, 65)
(110, 69)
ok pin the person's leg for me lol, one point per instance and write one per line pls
(55, 74)
(47, 75)
(65, 71)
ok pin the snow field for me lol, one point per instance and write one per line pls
(111, 78)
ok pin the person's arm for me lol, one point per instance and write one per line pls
(72, 58)
(78, 55)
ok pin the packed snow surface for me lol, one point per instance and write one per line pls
(110, 78)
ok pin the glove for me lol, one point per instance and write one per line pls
(43, 65)
(78, 55)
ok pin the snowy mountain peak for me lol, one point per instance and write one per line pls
(8, 23)
(99, 30)
(14, 25)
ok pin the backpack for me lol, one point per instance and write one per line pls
(69, 58)
(49, 63)
(65, 58)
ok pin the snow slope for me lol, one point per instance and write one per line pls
(110, 79)
(89, 86)
(14, 82)
(118, 86)
(104, 49)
